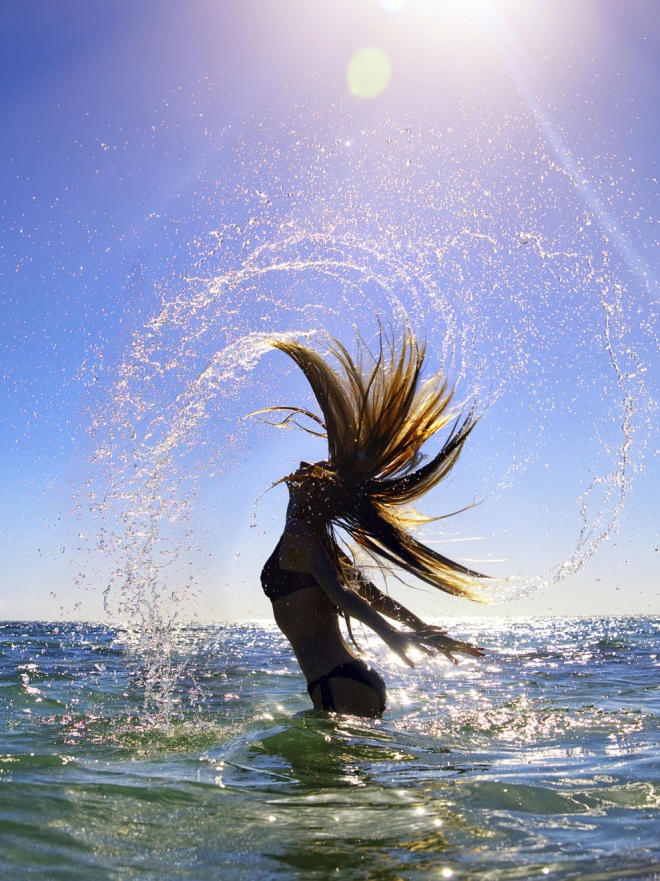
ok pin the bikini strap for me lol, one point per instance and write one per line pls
(327, 701)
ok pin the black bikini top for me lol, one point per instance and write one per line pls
(278, 583)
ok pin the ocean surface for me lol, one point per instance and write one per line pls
(540, 761)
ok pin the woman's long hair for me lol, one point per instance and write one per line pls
(377, 415)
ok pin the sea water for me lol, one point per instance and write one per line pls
(541, 760)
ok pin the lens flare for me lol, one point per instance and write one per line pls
(369, 72)
(392, 6)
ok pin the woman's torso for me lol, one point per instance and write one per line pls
(306, 617)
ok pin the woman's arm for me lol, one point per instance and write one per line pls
(380, 602)
(301, 550)
(434, 637)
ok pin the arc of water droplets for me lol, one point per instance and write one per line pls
(140, 491)
(616, 484)
(142, 508)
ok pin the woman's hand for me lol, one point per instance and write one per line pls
(400, 641)
(435, 638)
(430, 640)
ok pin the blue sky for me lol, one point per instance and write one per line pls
(502, 188)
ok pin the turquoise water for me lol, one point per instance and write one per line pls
(541, 761)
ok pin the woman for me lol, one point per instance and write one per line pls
(376, 418)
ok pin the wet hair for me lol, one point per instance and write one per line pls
(377, 415)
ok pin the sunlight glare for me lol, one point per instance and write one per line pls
(392, 6)
(369, 72)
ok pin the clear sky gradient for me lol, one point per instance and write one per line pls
(490, 166)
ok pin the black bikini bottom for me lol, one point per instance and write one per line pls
(356, 670)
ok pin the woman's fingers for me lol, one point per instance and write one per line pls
(431, 641)
(447, 645)
(469, 649)
(432, 629)
(398, 642)
(401, 652)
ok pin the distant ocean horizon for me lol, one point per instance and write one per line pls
(212, 620)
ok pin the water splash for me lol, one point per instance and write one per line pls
(148, 493)
(476, 236)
